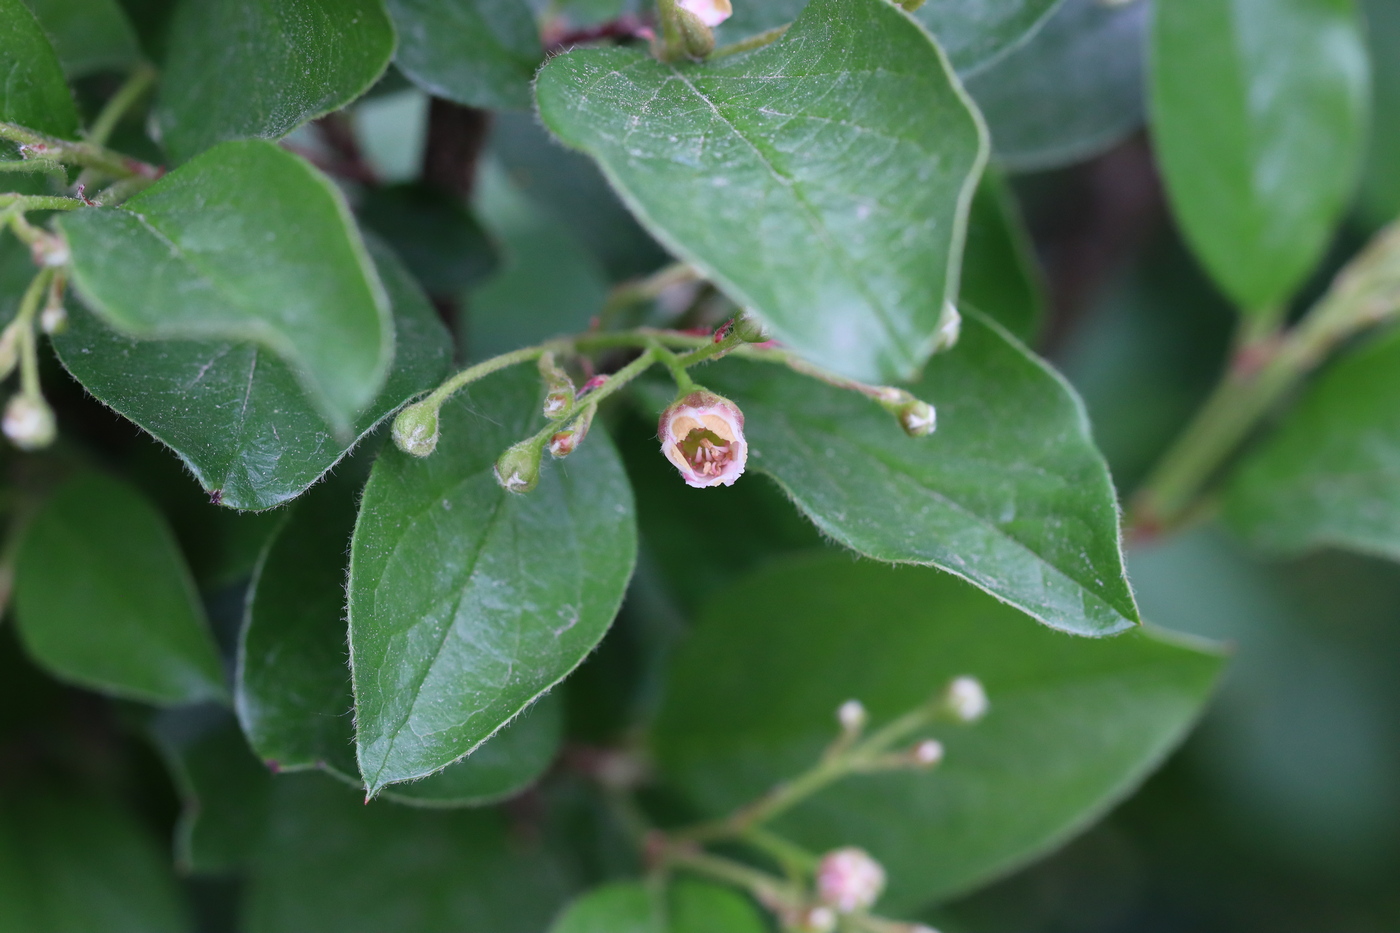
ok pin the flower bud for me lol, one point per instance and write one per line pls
(416, 428)
(9, 349)
(819, 919)
(703, 435)
(709, 12)
(849, 879)
(558, 388)
(927, 753)
(917, 418)
(50, 251)
(852, 716)
(518, 469)
(566, 441)
(949, 327)
(29, 422)
(750, 329)
(54, 319)
(697, 39)
(967, 699)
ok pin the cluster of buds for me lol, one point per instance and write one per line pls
(702, 434)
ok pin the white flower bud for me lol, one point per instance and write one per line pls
(518, 469)
(54, 319)
(852, 716)
(849, 879)
(29, 422)
(929, 752)
(967, 699)
(818, 919)
(949, 328)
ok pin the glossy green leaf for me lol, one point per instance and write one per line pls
(1000, 277)
(1074, 724)
(468, 602)
(479, 53)
(235, 413)
(33, 93)
(104, 599)
(1070, 92)
(1330, 474)
(1380, 182)
(237, 68)
(293, 695)
(1259, 123)
(222, 248)
(80, 865)
(88, 35)
(332, 864)
(687, 906)
(1008, 493)
(823, 180)
(973, 33)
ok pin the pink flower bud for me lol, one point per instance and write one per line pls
(849, 879)
(709, 12)
(565, 442)
(927, 753)
(703, 435)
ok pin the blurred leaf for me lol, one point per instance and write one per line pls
(1070, 92)
(1000, 277)
(333, 864)
(689, 907)
(833, 206)
(221, 249)
(468, 602)
(1259, 123)
(478, 53)
(88, 35)
(567, 186)
(34, 93)
(973, 33)
(223, 789)
(1009, 493)
(438, 239)
(1330, 474)
(1380, 183)
(547, 284)
(104, 599)
(293, 695)
(80, 865)
(236, 69)
(236, 414)
(1074, 724)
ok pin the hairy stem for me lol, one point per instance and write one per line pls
(84, 154)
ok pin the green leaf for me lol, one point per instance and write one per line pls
(479, 53)
(104, 599)
(689, 907)
(88, 35)
(1000, 277)
(1380, 183)
(293, 695)
(1259, 123)
(1009, 493)
(1074, 724)
(72, 864)
(1330, 474)
(236, 68)
(332, 864)
(247, 242)
(235, 413)
(823, 180)
(1070, 92)
(468, 602)
(33, 93)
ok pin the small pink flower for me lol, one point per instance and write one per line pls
(703, 435)
(849, 879)
(709, 12)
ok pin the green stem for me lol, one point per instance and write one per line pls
(40, 202)
(1265, 369)
(684, 384)
(758, 41)
(83, 154)
(796, 861)
(485, 368)
(671, 48)
(765, 888)
(28, 342)
(136, 85)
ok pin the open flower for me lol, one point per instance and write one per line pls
(703, 435)
(709, 12)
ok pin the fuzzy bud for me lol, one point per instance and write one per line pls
(849, 879)
(558, 388)
(416, 428)
(29, 422)
(566, 441)
(518, 469)
(9, 350)
(967, 699)
(709, 12)
(917, 418)
(748, 328)
(927, 753)
(54, 319)
(702, 434)
(852, 716)
(949, 327)
(697, 39)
